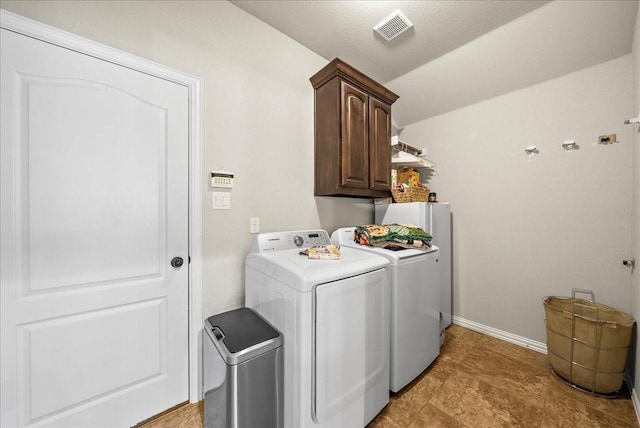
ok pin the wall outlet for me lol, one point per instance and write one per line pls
(254, 225)
(607, 139)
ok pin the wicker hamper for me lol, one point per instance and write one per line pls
(410, 194)
(587, 343)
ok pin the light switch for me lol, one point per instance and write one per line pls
(254, 225)
(221, 200)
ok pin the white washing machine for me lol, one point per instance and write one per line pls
(415, 307)
(334, 316)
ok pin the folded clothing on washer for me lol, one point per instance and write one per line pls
(322, 252)
(393, 236)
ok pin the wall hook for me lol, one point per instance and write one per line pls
(632, 120)
(570, 145)
(531, 151)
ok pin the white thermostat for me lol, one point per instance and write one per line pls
(221, 179)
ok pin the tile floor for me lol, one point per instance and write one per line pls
(478, 381)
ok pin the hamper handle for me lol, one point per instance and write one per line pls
(583, 291)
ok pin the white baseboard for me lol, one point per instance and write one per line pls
(502, 335)
(635, 401)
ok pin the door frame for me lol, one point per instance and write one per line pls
(46, 33)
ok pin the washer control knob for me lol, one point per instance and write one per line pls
(298, 240)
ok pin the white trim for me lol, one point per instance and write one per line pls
(634, 395)
(636, 402)
(37, 30)
(195, 243)
(502, 335)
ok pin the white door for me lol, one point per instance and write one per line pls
(94, 206)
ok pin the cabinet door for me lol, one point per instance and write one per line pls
(355, 137)
(379, 145)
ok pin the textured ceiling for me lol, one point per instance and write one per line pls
(344, 29)
(458, 52)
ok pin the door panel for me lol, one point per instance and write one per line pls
(80, 212)
(94, 199)
(415, 319)
(74, 345)
(355, 137)
(351, 347)
(380, 144)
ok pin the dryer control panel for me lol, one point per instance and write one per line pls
(280, 241)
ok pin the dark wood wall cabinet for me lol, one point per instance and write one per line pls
(352, 133)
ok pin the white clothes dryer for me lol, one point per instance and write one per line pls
(334, 316)
(415, 307)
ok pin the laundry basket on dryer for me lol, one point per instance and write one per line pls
(587, 342)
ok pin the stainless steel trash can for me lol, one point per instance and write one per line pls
(243, 371)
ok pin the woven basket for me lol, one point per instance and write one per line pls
(410, 194)
(587, 343)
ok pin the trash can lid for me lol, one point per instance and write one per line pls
(242, 329)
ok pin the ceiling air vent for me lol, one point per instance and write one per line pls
(393, 25)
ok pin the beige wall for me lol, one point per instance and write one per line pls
(523, 230)
(635, 284)
(257, 117)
